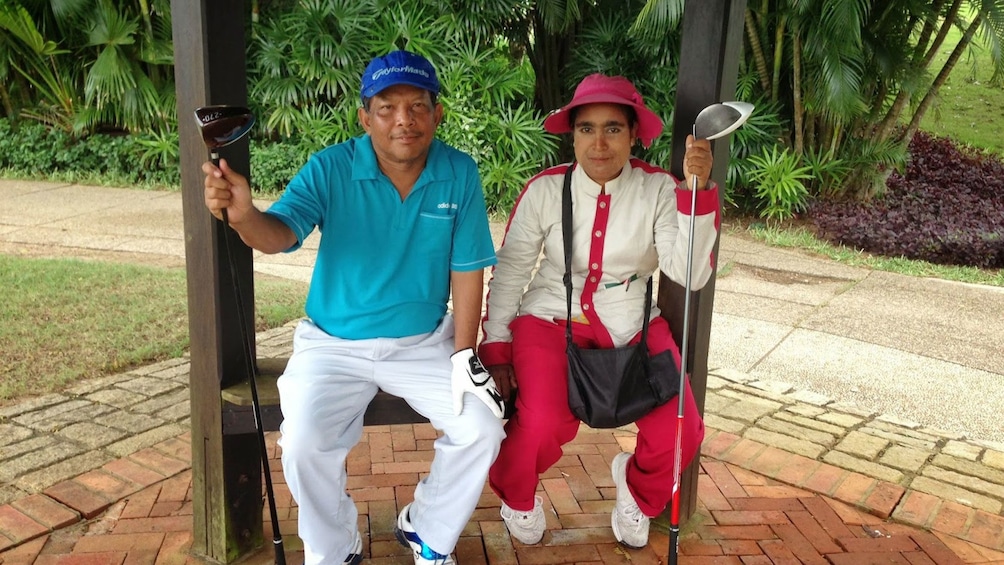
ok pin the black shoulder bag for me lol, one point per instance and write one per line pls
(608, 388)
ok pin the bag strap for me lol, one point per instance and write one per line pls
(566, 235)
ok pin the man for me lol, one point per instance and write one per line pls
(403, 223)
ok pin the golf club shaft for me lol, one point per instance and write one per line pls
(280, 555)
(674, 520)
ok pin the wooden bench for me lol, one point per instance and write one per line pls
(238, 417)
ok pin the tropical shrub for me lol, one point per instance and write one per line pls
(946, 207)
(779, 180)
(88, 65)
(758, 135)
(273, 164)
(32, 150)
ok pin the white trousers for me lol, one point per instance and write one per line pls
(324, 393)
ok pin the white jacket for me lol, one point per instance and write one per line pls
(646, 227)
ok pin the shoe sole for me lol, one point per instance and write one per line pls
(399, 534)
(517, 538)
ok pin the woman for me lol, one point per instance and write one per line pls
(629, 218)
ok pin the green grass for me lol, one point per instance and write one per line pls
(62, 321)
(801, 238)
(969, 109)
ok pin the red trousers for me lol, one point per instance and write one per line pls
(543, 422)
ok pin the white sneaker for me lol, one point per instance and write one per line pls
(355, 557)
(424, 555)
(629, 524)
(527, 527)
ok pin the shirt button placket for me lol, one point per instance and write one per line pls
(595, 273)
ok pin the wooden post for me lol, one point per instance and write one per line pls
(709, 64)
(210, 68)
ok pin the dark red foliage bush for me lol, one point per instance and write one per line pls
(947, 208)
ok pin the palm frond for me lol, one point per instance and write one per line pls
(657, 19)
(19, 22)
(559, 15)
(110, 77)
(111, 27)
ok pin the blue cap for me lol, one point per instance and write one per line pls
(398, 67)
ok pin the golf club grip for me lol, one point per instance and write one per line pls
(674, 544)
(280, 556)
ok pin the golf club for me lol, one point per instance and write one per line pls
(713, 122)
(220, 126)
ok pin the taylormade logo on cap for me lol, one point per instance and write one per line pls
(383, 72)
(398, 67)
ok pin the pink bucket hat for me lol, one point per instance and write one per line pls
(600, 89)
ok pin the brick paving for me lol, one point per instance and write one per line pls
(100, 473)
(137, 509)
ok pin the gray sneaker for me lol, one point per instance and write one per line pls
(527, 527)
(629, 524)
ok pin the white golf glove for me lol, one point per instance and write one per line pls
(469, 375)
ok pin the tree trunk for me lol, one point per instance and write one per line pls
(946, 26)
(892, 116)
(922, 58)
(878, 93)
(932, 93)
(756, 49)
(796, 89)
(925, 34)
(549, 55)
(778, 58)
(810, 130)
(8, 106)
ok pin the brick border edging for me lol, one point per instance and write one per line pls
(87, 495)
(875, 496)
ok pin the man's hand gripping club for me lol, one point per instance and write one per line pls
(469, 375)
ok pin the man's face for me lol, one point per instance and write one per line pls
(602, 140)
(401, 121)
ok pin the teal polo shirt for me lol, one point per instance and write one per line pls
(383, 265)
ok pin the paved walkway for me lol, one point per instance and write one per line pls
(138, 516)
(853, 415)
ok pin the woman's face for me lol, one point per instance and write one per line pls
(602, 138)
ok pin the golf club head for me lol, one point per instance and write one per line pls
(719, 120)
(223, 125)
